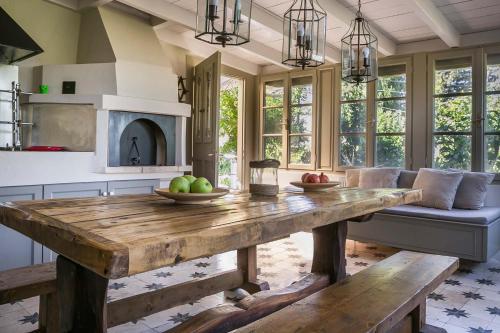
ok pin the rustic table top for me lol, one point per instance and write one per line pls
(124, 235)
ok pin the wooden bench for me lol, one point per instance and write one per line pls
(389, 296)
(38, 280)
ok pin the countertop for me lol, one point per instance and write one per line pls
(36, 168)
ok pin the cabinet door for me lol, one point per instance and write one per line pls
(17, 250)
(73, 190)
(123, 187)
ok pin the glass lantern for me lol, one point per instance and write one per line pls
(264, 177)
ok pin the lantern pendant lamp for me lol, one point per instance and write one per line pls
(224, 22)
(304, 34)
(359, 52)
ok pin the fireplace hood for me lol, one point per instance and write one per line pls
(121, 66)
(15, 43)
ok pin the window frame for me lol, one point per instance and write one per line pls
(286, 123)
(477, 104)
(408, 63)
(371, 109)
(483, 116)
(338, 114)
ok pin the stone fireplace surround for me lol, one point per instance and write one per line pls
(135, 90)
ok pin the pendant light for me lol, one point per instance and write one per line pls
(304, 34)
(224, 22)
(359, 52)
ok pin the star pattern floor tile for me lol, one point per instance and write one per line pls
(469, 301)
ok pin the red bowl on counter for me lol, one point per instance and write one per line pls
(45, 148)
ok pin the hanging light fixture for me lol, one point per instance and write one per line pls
(304, 34)
(224, 22)
(359, 52)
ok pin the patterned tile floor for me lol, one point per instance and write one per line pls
(468, 302)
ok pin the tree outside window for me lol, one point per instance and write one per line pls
(273, 106)
(287, 116)
(452, 114)
(390, 133)
(352, 133)
(300, 123)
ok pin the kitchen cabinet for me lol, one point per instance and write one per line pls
(122, 187)
(75, 190)
(17, 250)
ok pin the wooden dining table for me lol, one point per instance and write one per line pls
(105, 238)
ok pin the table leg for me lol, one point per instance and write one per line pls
(82, 298)
(247, 262)
(329, 250)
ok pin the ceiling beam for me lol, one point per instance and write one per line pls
(83, 4)
(174, 13)
(427, 11)
(203, 50)
(71, 4)
(338, 12)
(474, 39)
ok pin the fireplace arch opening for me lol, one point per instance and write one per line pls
(142, 143)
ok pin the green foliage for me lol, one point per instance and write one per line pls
(353, 150)
(228, 133)
(353, 120)
(228, 125)
(452, 114)
(300, 121)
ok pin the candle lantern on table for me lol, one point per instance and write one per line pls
(264, 177)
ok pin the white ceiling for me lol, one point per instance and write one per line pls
(398, 21)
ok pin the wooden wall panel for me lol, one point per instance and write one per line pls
(325, 119)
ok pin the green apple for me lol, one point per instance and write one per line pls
(190, 178)
(179, 184)
(201, 185)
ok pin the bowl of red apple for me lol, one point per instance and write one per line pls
(311, 182)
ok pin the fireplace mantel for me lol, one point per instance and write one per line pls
(118, 103)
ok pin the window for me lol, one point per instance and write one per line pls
(352, 128)
(492, 123)
(390, 131)
(301, 121)
(273, 107)
(452, 114)
(289, 101)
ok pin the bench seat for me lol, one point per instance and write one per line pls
(483, 216)
(21, 283)
(377, 299)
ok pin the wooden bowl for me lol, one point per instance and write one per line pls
(315, 187)
(192, 198)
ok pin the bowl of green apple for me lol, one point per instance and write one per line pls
(190, 190)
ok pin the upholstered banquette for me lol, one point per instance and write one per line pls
(467, 234)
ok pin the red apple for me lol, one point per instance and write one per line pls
(323, 178)
(312, 178)
(304, 177)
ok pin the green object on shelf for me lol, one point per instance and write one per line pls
(44, 89)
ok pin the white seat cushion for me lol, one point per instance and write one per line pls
(484, 216)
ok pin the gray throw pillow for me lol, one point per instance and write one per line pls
(472, 190)
(407, 178)
(438, 187)
(379, 178)
(352, 177)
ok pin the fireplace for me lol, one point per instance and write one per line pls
(141, 139)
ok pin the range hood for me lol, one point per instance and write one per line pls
(15, 43)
